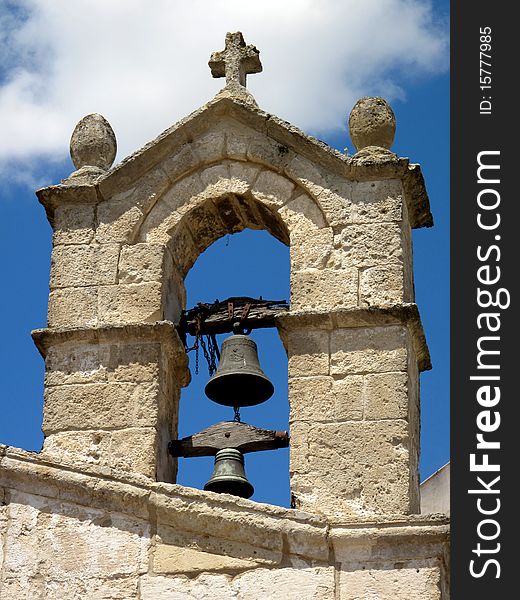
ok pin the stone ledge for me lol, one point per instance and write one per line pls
(160, 331)
(344, 318)
(274, 529)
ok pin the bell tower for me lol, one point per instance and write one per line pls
(125, 238)
(98, 513)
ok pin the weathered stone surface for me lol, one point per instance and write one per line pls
(324, 399)
(111, 545)
(312, 583)
(141, 262)
(349, 398)
(354, 468)
(368, 350)
(308, 353)
(120, 215)
(368, 245)
(303, 214)
(272, 189)
(386, 396)
(175, 560)
(101, 406)
(383, 286)
(93, 143)
(131, 450)
(73, 224)
(325, 289)
(409, 581)
(112, 389)
(73, 307)
(131, 303)
(310, 248)
(94, 363)
(372, 123)
(81, 266)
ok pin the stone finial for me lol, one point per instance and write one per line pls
(236, 60)
(93, 143)
(372, 123)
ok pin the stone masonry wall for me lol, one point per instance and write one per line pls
(121, 250)
(71, 534)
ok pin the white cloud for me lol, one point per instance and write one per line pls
(143, 63)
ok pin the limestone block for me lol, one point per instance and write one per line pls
(120, 215)
(183, 161)
(368, 350)
(183, 249)
(101, 406)
(386, 396)
(237, 141)
(81, 266)
(205, 225)
(355, 468)
(131, 303)
(211, 146)
(383, 286)
(73, 307)
(358, 202)
(174, 560)
(408, 581)
(86, 363)
(244, 173)
(290, 583)
(323, 399)
(267, 152)
(86, 543)
(142, 262)
(205, 586)
(272, 189)
(249, 553)
(325, 289)
(348, 394)
(308, 353)
(214, 174)
(368, 245)
(131, 450)
(120, 588)
(73, 224)
(303, 213)
(299, 455)
(311, 399)
(309, 583)
(167, 212)
(379, 192)
(310, 249)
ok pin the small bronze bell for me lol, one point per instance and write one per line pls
(229, 476)
(239, 380)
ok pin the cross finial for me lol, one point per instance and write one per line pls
(236, 60)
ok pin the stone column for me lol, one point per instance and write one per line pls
(355, 346)
(114, 361)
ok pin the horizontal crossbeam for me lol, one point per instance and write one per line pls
(228, 434)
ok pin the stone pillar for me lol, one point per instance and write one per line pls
(355, 345)
(114, 361)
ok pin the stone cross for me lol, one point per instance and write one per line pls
(236, 60)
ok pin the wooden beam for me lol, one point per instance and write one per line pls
(220, 317)
(228, 434)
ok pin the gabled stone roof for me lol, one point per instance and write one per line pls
(364, 166)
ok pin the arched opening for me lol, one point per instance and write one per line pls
(250, 263)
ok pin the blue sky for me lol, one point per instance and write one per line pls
(318, 58)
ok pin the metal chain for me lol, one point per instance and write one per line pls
(237, 414)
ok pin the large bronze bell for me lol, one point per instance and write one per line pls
(239, 380)
(229, 476)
